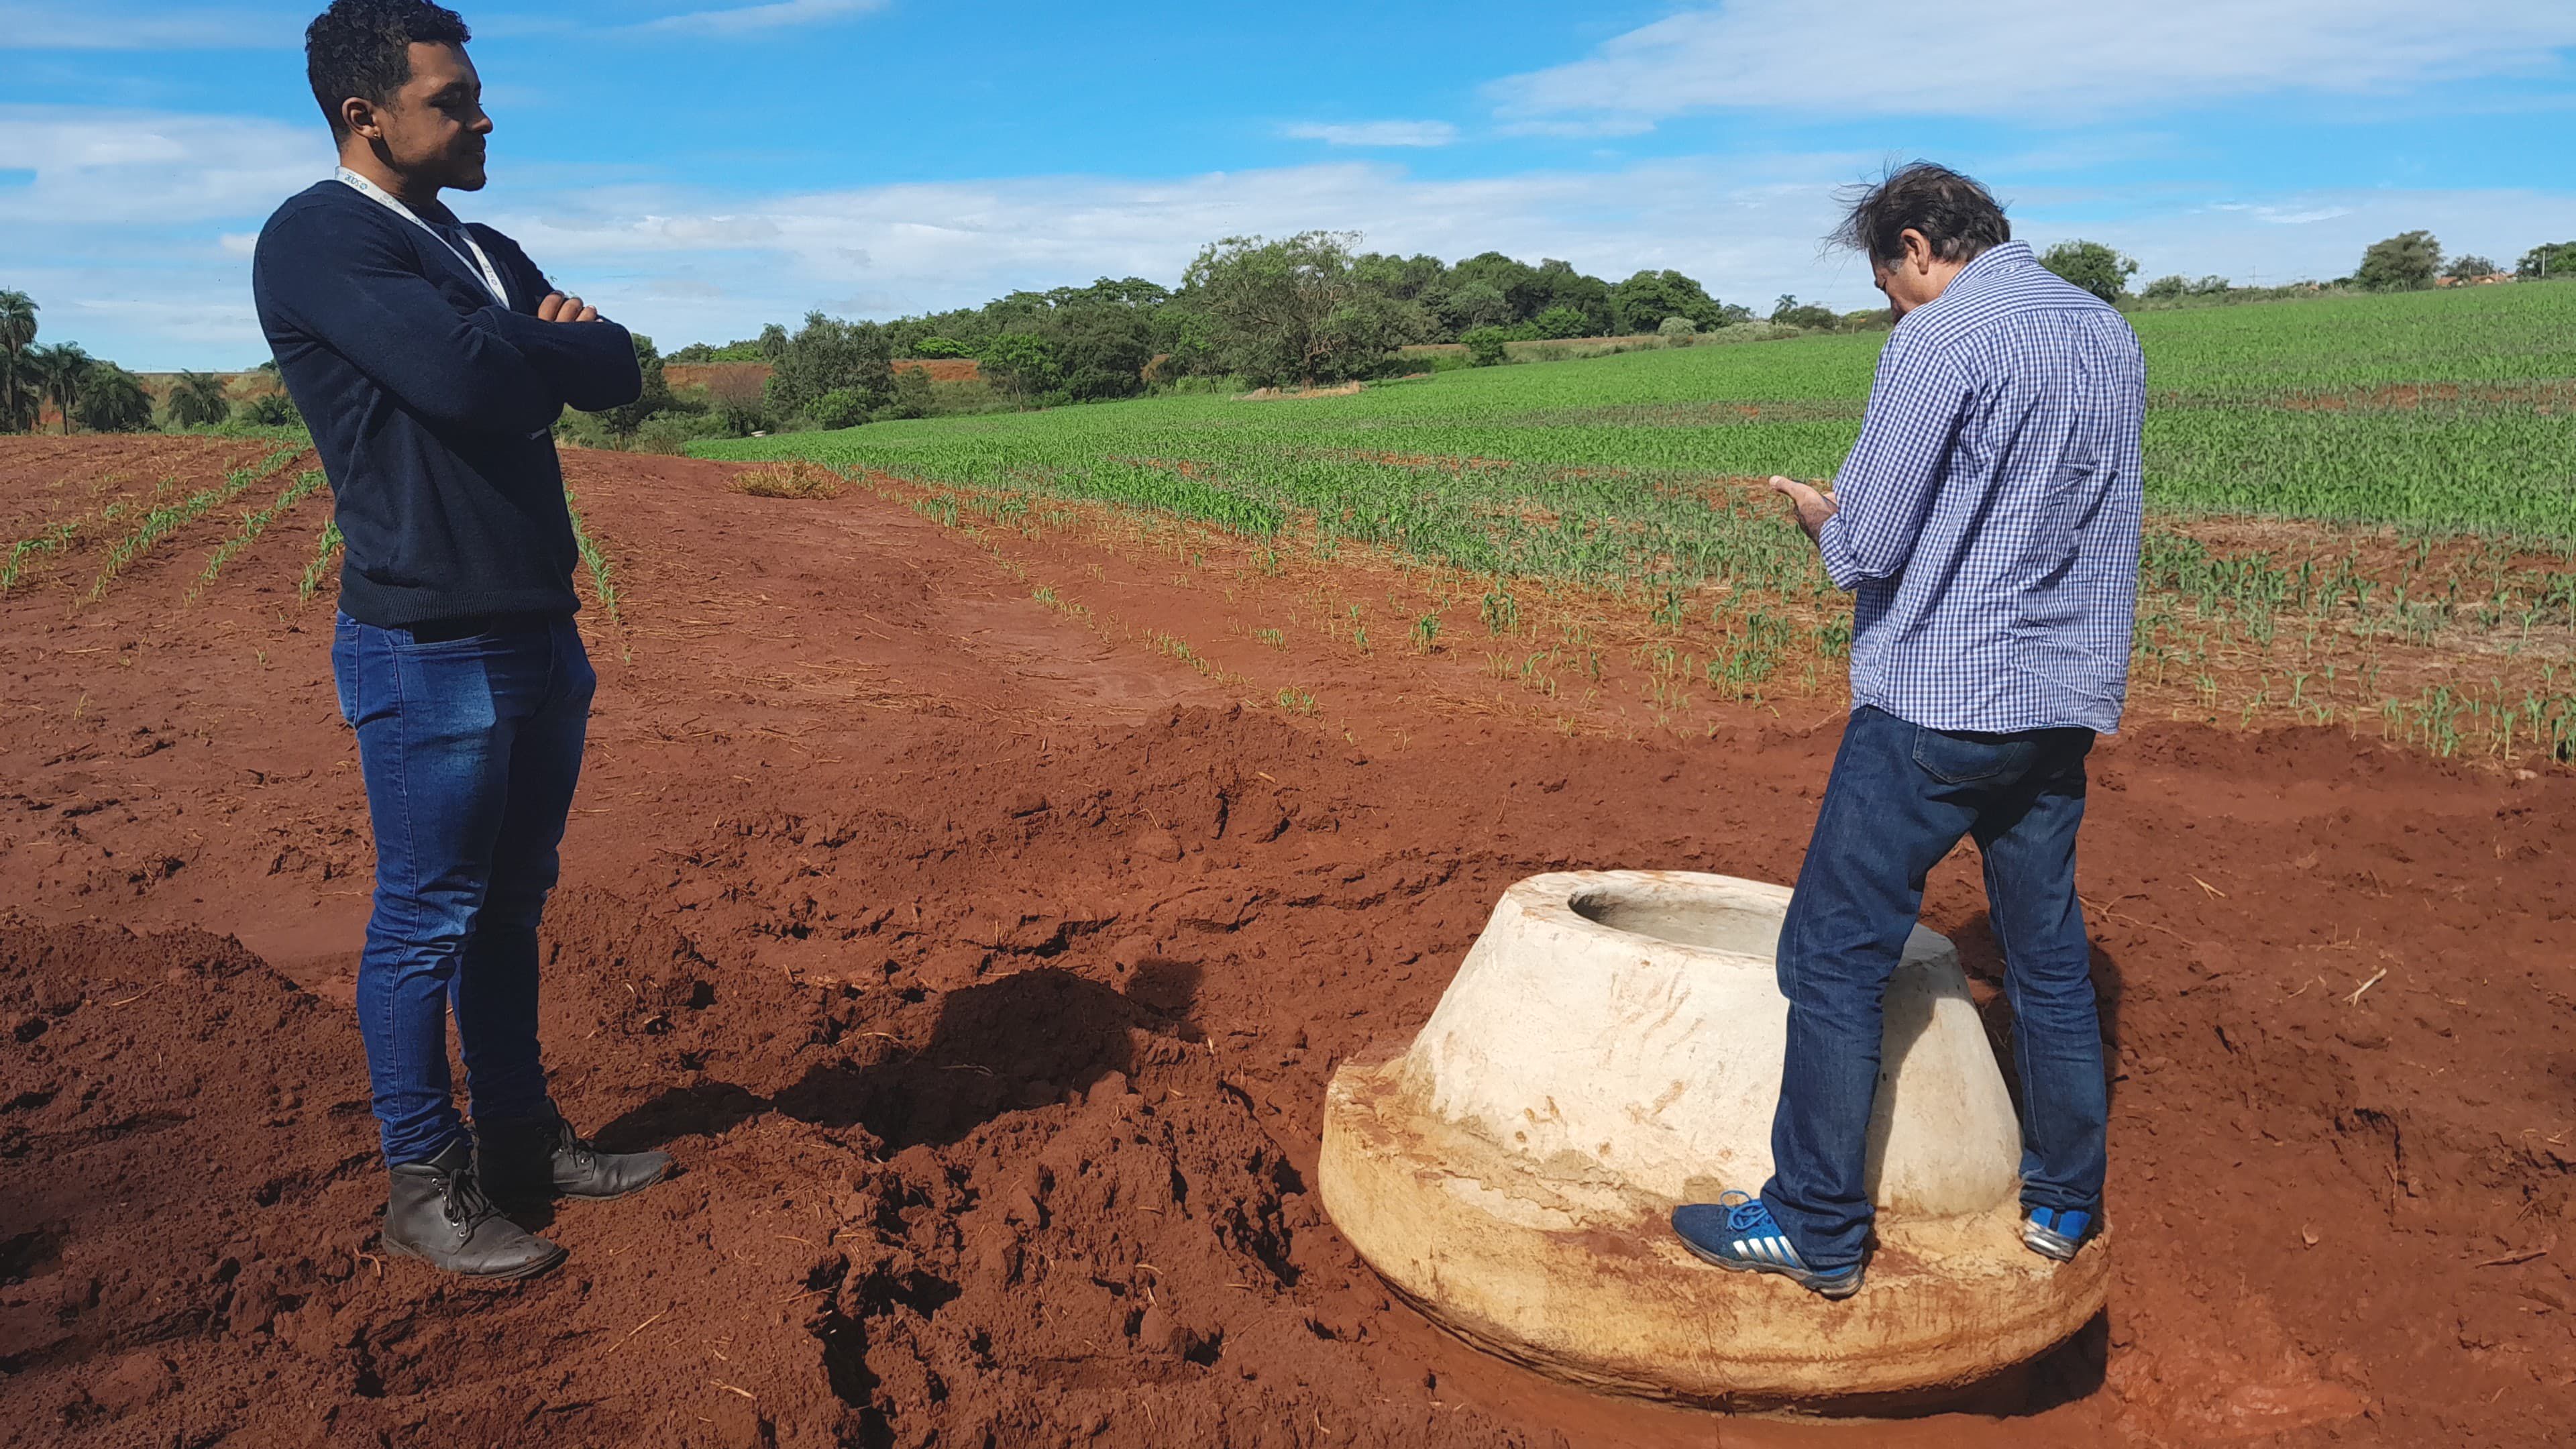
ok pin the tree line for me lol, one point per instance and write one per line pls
(103, 397)
(100, 395)
(2408, 261)
(1299, 311)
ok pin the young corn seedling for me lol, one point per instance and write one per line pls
(253, 525)
(320, 568)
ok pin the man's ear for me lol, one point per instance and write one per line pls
(358, 117)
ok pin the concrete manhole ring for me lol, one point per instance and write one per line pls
(1611, 1047)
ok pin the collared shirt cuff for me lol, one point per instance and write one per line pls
(1840, 566)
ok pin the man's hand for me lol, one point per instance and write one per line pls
(559, 308)
(1812, 507)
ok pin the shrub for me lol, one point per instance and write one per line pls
(913, 397)
(1790, 312)
(655, 396)
(2090, 265)
(1646, 298)
(1485, 346)
(1020, 364)
(586, 430)
(197, 401)
(798, 479)
(828, 355)
(2400, 263)
(1677, 330)
(840, 408)
(673, 432)
(941, 347)
(1290, 312)
(1101, 351)
(1558, 323)
(269, 410)
(114, 401)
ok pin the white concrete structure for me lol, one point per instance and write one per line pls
(1612, 1047)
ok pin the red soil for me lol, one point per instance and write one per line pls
(706, 374)
(729, 378)
(943, 369)
(2410, 397)
(984, 962)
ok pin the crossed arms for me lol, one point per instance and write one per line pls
(489, 370)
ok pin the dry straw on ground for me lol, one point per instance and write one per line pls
(789, 480)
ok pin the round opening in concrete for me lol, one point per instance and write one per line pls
(1685, 918)
(1612, 1046)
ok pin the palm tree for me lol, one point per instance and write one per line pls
(18, 386)
(113, 400)
(63, 369)
(198, 400)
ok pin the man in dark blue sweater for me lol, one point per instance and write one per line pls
(431, 359)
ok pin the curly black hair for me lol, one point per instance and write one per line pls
(1955, 213)
(362, 48)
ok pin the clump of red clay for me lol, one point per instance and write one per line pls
(989, 1017)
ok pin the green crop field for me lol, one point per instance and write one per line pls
(2440, 411)
(2439, 420)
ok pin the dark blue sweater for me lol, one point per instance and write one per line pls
(430, 405)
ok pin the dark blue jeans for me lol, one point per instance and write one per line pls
(1900, 798)
(471, 747)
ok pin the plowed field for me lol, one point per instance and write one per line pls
(978, 915)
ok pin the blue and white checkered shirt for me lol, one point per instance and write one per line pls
(1989, 512)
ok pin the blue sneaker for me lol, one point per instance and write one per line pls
(2057, 1232)
(1737, 1233)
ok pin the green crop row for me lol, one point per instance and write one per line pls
(304, 486)
(161, 522)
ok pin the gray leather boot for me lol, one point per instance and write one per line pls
(539, 1158)
(440, 1214)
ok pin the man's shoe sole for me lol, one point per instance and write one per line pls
(1835, 1288)
(2052, 1246)
(542, 1265)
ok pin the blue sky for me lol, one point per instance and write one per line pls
(699, 167)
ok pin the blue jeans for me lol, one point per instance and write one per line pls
(1900, 798)
(471, 747)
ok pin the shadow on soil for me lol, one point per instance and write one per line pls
(1022, 1041)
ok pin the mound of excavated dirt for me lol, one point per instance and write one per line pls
(983, 963)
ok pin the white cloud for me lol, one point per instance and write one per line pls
(136, 248)
(1749, 228)
(685, 265)
(95, 165)
(2278, 217)
(125, 27)
(777, 14)
(1373, 133)
(1588, 128)
(2012, 58)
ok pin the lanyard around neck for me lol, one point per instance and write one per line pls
(481, 264)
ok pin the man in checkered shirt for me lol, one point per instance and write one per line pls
(1987, 525)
